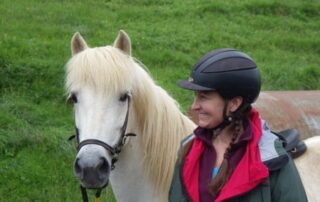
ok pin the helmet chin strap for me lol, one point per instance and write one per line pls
(227, 120)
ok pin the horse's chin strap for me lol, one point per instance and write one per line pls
(113, 150)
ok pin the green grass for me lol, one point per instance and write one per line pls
(168, 37)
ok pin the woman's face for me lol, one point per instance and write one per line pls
(209, 107)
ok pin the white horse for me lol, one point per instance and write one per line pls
(105, 83)
(114, 96)
(308, 166)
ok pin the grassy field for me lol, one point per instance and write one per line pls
(168, 37)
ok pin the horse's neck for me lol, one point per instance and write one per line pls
(129, 181)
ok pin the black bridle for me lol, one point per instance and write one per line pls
(113, 150)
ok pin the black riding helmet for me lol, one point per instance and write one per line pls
(230, 72)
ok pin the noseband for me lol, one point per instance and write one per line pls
(113, 150)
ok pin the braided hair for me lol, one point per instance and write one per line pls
(225, 171)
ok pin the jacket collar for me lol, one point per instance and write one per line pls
(250, 171)
(248, 174)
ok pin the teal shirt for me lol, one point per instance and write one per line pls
(215, 171)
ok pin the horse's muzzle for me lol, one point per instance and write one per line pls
(92, 173)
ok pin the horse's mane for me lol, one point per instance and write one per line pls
(163, 126)
(161, 123)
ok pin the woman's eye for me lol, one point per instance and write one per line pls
(201, 97)
(73, 98)
(205, 97)
(124, 97)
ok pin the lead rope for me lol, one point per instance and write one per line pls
(85, 194)
(97, 195)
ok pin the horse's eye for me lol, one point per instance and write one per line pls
(124, 97)
(73, 98)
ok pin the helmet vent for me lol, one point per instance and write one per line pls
(228, 64)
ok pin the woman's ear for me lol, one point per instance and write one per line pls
(235, 103)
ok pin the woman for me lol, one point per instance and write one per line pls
(232, 155)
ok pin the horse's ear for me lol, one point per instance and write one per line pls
(123, 42)
(78, 44)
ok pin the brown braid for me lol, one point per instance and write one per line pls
(225, 171)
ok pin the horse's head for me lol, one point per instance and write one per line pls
(98, 84)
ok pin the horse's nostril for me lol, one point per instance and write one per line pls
(103, 166)
(77, 168)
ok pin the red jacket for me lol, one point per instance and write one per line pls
(249, 172)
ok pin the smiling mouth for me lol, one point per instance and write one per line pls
(202, 114)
